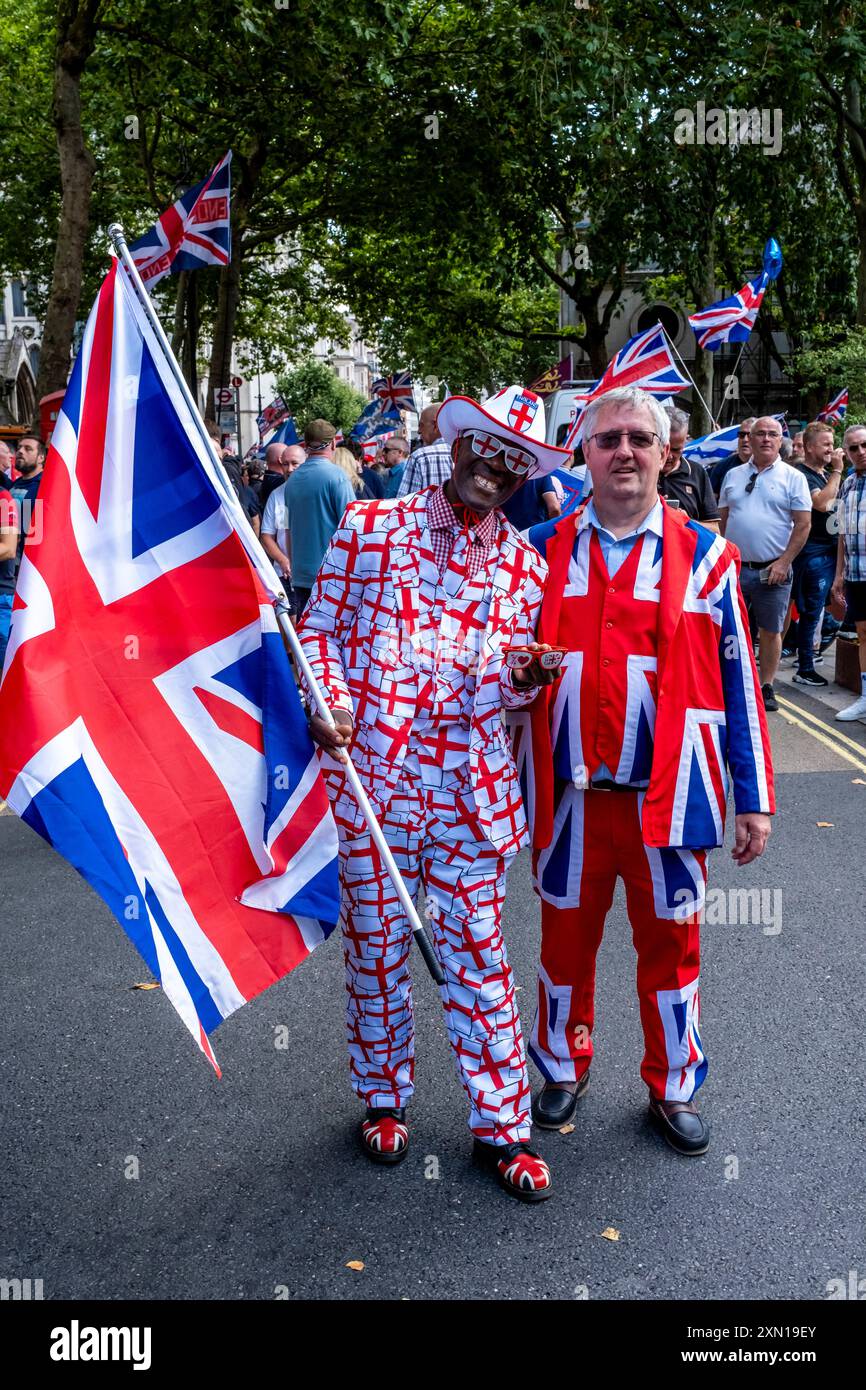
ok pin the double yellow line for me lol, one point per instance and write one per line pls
(838, 743)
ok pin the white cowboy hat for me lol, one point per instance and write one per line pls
(515, 414)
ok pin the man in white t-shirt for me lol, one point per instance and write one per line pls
(766, 510)
(274, 526)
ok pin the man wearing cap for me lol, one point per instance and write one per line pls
(315, 497)
(659, 701)
(411, 611)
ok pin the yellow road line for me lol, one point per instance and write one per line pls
(822, 738)
(822, 724)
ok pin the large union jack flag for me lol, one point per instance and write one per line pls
(159, 742)
(395, 392)
(836, 410)
(645, 361)
(194, 232)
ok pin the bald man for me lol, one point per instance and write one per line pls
(430, 464)
(275, 470)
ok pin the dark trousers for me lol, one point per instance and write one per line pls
(303, 597)
(814, 571)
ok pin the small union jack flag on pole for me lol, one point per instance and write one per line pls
(731, 320)
(395, 392)
(836, 410)
(194, 232)
(645, 361)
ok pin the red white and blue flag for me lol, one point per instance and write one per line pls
(836, 410)
(159, 742)
(731, 320)
(194, 232)
(272, 416)
(646, 361)
(395, 392)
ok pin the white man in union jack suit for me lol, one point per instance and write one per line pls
(416, 599)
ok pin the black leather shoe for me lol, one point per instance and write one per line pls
(554, 1105)
(681, 1125)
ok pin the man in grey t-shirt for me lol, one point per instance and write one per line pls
(766, 511)
(316, 496)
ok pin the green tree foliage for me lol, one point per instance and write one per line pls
(312, 391)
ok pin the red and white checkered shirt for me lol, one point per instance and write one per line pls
(445, 526)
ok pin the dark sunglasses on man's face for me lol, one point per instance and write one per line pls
(855, 448)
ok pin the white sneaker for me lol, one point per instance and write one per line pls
(855, 711)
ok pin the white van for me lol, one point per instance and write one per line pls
(559, 410)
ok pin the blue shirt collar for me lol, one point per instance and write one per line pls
(653, 521)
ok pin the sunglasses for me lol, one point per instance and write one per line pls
(487, 446)
(518, 658)
(609, 439)
(750, 485)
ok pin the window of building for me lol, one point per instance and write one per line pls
(19, 300)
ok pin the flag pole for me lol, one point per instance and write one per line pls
(263, 567)
(733, 399)
(673, 349)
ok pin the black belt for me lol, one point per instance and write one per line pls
(758, 564)
(606, 784)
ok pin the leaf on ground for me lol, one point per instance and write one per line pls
(146, 985)
(858, 782)
(610, 1233)
(567, 1129)
(355, 1264)
(825, 824)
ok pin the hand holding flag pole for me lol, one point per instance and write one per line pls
(263, 568)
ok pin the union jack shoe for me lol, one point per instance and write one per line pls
(519, 1170)
(385, 1135)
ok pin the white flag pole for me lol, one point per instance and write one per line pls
(673, 349)
(263, 566)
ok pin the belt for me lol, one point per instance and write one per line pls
(606, 784)
(757, 564)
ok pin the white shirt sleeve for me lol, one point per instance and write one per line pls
(800, 496)
(269, 518)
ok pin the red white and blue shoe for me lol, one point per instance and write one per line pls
(385, 1135)
(520, 1171)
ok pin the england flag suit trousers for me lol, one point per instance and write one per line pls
(435, 837)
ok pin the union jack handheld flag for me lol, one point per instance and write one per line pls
(395, 392)
(836, 410)
(194, 232)
(645, 361)
(731, 320)
(161, 746)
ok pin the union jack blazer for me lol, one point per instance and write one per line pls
(371, 634)
(709, 721)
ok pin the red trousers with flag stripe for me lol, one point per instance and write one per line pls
(597, 839)
(435, 838)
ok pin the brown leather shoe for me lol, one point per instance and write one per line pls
(681, 1125)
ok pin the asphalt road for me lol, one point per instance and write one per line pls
(253, 1186)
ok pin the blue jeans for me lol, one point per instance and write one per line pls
(5, 624)
(814, 572)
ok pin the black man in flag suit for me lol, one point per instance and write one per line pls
(414, 604)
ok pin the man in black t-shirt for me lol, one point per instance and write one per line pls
(684, 484)
(815, 566)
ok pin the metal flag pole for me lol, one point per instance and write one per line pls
(263, 567)
(734, 399)
(673, 349)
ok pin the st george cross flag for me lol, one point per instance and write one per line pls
(836, 410)
(645, 361)
(731, 320)
(159, 742)
(272, 415)
(194, 232)
(395, 392)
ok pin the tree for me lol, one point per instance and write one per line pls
(314, 392)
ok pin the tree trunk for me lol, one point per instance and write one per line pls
(179, 331)
(230, 278)
(76, 37)
(702, 371)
